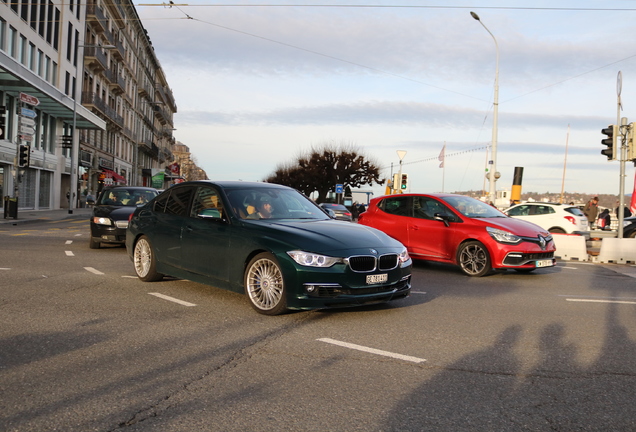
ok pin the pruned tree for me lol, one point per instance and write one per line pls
(322, 167)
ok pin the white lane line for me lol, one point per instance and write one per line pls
(571, 268)
(372, 350)
(417, 292)
(92, 270)
(69, 242)
(5, 268)
(78, 235)
(172, 299)
(129, 277)
(69, 253)
(600, 301)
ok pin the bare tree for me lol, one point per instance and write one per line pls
(324, 166)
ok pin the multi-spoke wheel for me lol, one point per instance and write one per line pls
(473, 259)
(144, 261)
(264, 285)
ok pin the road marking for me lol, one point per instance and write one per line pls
(69, 253)
(601, 301)
(130, 277)
(417, 292)
(77, 235)
(69, 242)
(92, 270)
(4, 268)
(372, 350)
(172, 299)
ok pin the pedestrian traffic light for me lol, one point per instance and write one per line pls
(24, 154)
(612, 134)
(405, 181)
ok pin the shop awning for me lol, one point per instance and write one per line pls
(112, 174)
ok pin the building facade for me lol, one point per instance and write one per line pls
(80, 85)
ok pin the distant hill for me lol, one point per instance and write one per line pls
(604, 200)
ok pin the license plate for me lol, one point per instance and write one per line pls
(377, 278)
(544, 263)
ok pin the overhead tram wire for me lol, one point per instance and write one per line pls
(436, 158)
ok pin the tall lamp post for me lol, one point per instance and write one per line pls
(493, 175)
(75, 145)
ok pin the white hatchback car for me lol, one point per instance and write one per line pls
(556, 218)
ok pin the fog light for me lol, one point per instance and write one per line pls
(310, 288)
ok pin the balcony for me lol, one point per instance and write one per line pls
(96, 18)
(117, 83)
(95, 58)
(92, 101)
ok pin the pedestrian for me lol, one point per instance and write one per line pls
(591, 211)
(604, 220)
(626, 211)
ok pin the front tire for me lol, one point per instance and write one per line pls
(264, 285)
(557, 230)
(473, 259)
(145, 261)
(94, 244)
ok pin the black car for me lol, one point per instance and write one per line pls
(340, 211)
(267, 241)
(112, 211)
(629, 227)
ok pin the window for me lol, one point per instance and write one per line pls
(204, 199)
(177, 203)
(397, 206)
(13, 40)
(426, 208)
(522, 210)
(3, 28)
(23, 50)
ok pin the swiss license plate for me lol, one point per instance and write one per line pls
(544, 263)
(377, 278)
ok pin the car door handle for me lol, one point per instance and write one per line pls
(414, 227)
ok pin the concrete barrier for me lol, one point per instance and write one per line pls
(618, 251)
(570, 247)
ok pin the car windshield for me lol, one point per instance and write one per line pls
(122, 197)
(274, 203)
(470, 207)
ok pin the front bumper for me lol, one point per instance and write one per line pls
(108, 233)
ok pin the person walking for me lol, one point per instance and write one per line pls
(591, 211)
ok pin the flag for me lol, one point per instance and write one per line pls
(632, 204)
(441, 156)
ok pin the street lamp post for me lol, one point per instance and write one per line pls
(493, 175)
(75, 145)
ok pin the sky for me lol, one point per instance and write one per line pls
(259, 83)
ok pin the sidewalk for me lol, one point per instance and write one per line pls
(27, 216)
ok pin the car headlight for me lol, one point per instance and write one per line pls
(503, 236)
(403, 257)
(102, 221)
(309, 259)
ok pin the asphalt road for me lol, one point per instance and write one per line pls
(85, 346)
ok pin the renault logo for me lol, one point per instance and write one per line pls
(542, 242)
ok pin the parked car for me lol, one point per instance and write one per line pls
(112, 210)
(268, 241)
(556, 218)
(460, 230)
(340, 211)
(629, 227)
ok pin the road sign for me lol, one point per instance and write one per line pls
(25, 137)
(339, 189)
(27, 121)
(25, 112)
(26, 130)
(28, 99)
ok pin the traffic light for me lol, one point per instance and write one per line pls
(631, 151)
(612, 134)
(405, 181)
(24, 155)
(3, 112)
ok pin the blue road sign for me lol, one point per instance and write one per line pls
(25, 112)
(339, 188)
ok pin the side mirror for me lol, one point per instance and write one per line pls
(443, 218)
(331, 213)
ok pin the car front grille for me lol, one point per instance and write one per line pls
(369, 263)
(336, 290)
(517, 259)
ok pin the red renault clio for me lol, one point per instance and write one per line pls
(461, 230)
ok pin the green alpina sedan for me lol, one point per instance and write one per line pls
(268, 241)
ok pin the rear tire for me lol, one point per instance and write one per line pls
(473, 259)
(144, 261)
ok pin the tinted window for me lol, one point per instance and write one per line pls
(178, 201)
(398, 206)
(522, 210)
(206, 198)
(574, 210)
